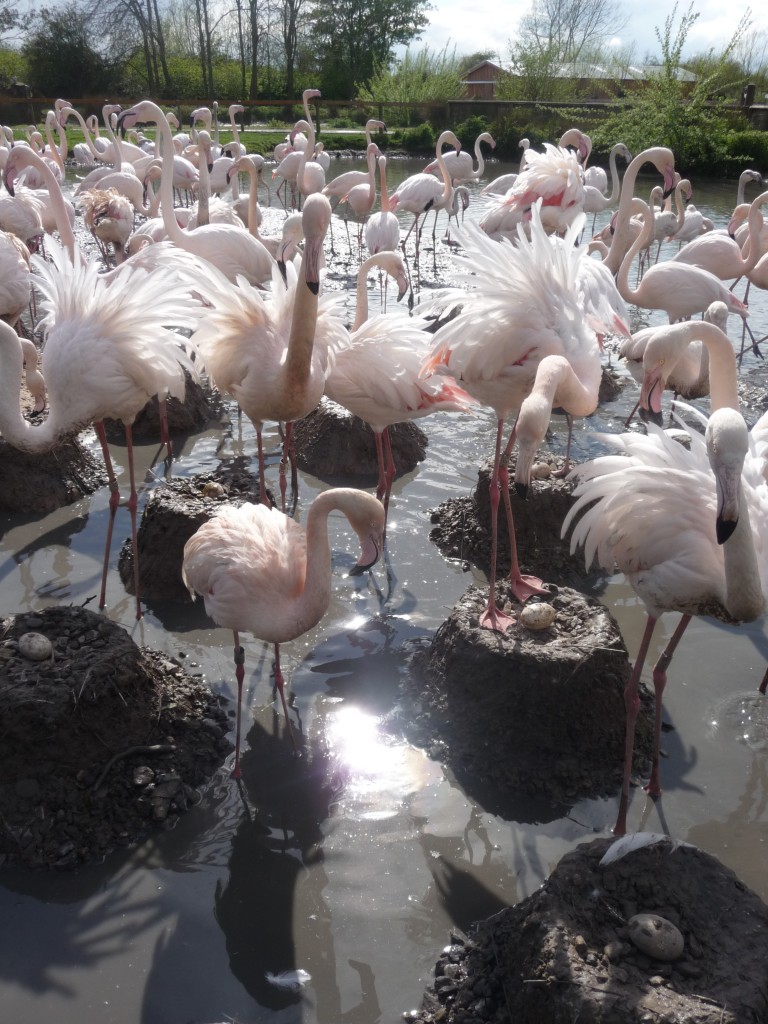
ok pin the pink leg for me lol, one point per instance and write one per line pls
(263, 497)
(114, 501)
(133, 503)
(632, 705)
(291, 450)
(659, 682)
(381, 485)
(493, 617)
(239, 675)
(165, 437)
(523, 587)
(390, 472)
(280, 684)
(560, 473)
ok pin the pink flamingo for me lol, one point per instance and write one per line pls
(259, 571)
(684, 526)
(423, 192)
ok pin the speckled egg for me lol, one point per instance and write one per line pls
(35, 646)
(541, 471)
(538, 616)
(655, 936)
(211, 489)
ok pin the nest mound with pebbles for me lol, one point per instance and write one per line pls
(103, 741)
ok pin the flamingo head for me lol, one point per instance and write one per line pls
(727, 441)
(368, 521)
(315, 219)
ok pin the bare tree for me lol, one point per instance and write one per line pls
(568, 29)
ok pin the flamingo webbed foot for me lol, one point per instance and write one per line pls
(525, 587)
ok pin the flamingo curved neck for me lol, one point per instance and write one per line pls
(642, 241)
(620, 242)
(379, 259)
(16, 430)
(744, 598)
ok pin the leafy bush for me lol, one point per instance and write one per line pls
(423, 77)
(420, 139)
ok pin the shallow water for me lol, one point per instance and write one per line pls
(353, 867)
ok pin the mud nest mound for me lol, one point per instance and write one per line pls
(40, 483)
(172, 514)
(102, 742)
(538, 713)
(463, 526)
(562, 954)
(334, 445)
(200, 407)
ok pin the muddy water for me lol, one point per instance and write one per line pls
(352, 867)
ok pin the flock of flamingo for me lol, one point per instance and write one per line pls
(197, 289)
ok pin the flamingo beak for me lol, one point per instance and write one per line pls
(370, 553)
(650, 393)
(728, 480)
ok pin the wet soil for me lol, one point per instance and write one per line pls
(334, 445)
(462, 526)
(102, 742)
(40, 483)
(172, 514)
(533, 713)
(563, 953)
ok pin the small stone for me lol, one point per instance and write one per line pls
(538, 616)
(35, 646)
(656, 980)
(143, 775)
(655, 936)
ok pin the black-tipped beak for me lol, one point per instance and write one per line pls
(283, 272)
(668, 192)
(121, 122)
(649, 416)
(314, 287)
(522, 491)
(724, 528)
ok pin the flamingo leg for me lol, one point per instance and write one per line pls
(523, 587)
(659, 682)
(290, 449)
(114, 501)
(239, 675)
(280, 684)
(263, 496)
(390, 471)
(165, 436)
(133, 502)
(493, 617)
(632, 705)
(381, 485)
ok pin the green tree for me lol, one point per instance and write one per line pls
(690, 119)
(355, 37)
(60, 57)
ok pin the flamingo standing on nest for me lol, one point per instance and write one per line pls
(686, 527)
(259, 571)
(270, 352)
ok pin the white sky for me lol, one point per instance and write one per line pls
(473, 25)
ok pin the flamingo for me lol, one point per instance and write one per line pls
(504, 182)
(621, 237)
(342, 183)
(677, 288)
(258, 571)
(595, 199)
(108, 215)
(493, 347)
(687, 371)
(382, 229)
(230, 249)
(685, 527)
(459, 164)
(106, 355)
(375, 375)
(555, 177)
(271, 353)
(720, 254)
(423, 192)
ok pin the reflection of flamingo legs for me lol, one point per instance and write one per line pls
(114, 501)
